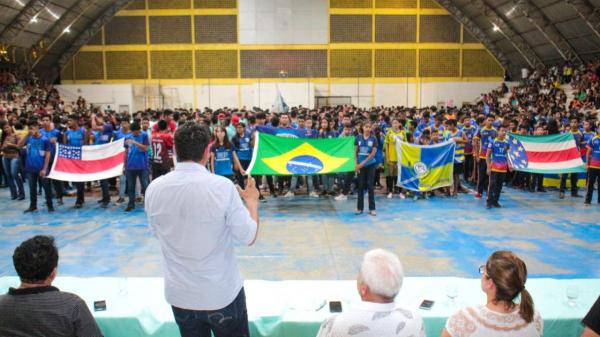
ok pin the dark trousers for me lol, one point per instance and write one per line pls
(468, 169)
(241, 180)
(482, 177)
(132, 176)
(495, 187)
(366, 179)
(563, 182)
(348, 178)
(80, 193)
(391, 183)
(592, 177)
(536, 181)
(159, 170)
(104, 188)
(231, 321)
(58, 187)
(32, 179)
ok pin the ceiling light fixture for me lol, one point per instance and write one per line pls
(56, 17)
(496, 28)
(67, 30)
(34, 19)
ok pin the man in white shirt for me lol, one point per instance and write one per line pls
(197, 217)
(379, 281)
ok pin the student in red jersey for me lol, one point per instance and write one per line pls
(162, 150)
(593, 166)
(167, 116)
(497, 167)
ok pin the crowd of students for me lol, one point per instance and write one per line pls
(33, 118)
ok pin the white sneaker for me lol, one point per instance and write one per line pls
(313, 194)
(402, 196)
(289, 194)
(390, 195)
(341, 197)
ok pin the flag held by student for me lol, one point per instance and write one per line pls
(88, 163)
(424, 168)
(551, 154)
(281, 156)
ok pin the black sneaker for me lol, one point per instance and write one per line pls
(50, 209)
(129, 208)
(576, 195)
(497, 205)
(488, 206)
(104, 204)
(60, 201)
(78, 205)
(30, 210)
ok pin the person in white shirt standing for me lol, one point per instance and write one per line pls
(378, 283)
(197, 217)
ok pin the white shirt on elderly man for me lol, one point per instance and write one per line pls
(369, 319)
(197, 217)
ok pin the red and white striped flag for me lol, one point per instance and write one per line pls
(545, 154)
(88, 163)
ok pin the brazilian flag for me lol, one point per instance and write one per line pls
(281, 156)
(424, 168)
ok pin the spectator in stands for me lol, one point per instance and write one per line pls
(37, 308)
(197, 216)
(379, 282)
(591, 321)
(509, 310)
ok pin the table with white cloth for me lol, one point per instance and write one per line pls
(136, 306)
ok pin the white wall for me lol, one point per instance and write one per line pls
(105, 95)
(263, 94)
(283, 21)
(459, 92)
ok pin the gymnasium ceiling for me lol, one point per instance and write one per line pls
(518, 32)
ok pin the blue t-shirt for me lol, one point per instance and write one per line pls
(223, 160)
(365, 146)
(36, 152)
(243, 148)
(54, 133)
(104, 136)
(136, 158)
(75, 137)
(120, 134)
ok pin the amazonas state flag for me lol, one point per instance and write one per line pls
(424, 168)
(283, 156)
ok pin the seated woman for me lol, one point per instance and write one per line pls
(509, 309)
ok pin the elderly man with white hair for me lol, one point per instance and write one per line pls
(378, 283)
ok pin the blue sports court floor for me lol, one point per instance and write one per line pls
(306, 238)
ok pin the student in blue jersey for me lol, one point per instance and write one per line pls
(37, 158)
(123, 132)
(326, 131)
(593, 166)
(136, 163)
(76, 136)
(574, 177)
(365, 150)
(49, 131)
(469, 131)
(11, 161)
(497, 167)
(459, 153)
(223, 159)
(481, 141)
(243, 145)
(103, 134)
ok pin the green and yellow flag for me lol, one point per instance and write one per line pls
(281, 156)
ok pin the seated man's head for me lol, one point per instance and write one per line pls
(380, 277)
(36, 259)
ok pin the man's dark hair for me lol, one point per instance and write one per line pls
(162, 125)
(135, 126)
(191, 140)
(35, 259)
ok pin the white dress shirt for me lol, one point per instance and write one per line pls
(368, 319)
(197, 216)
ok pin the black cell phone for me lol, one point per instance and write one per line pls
(426, 305)
(335, 306)
(100, 306)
